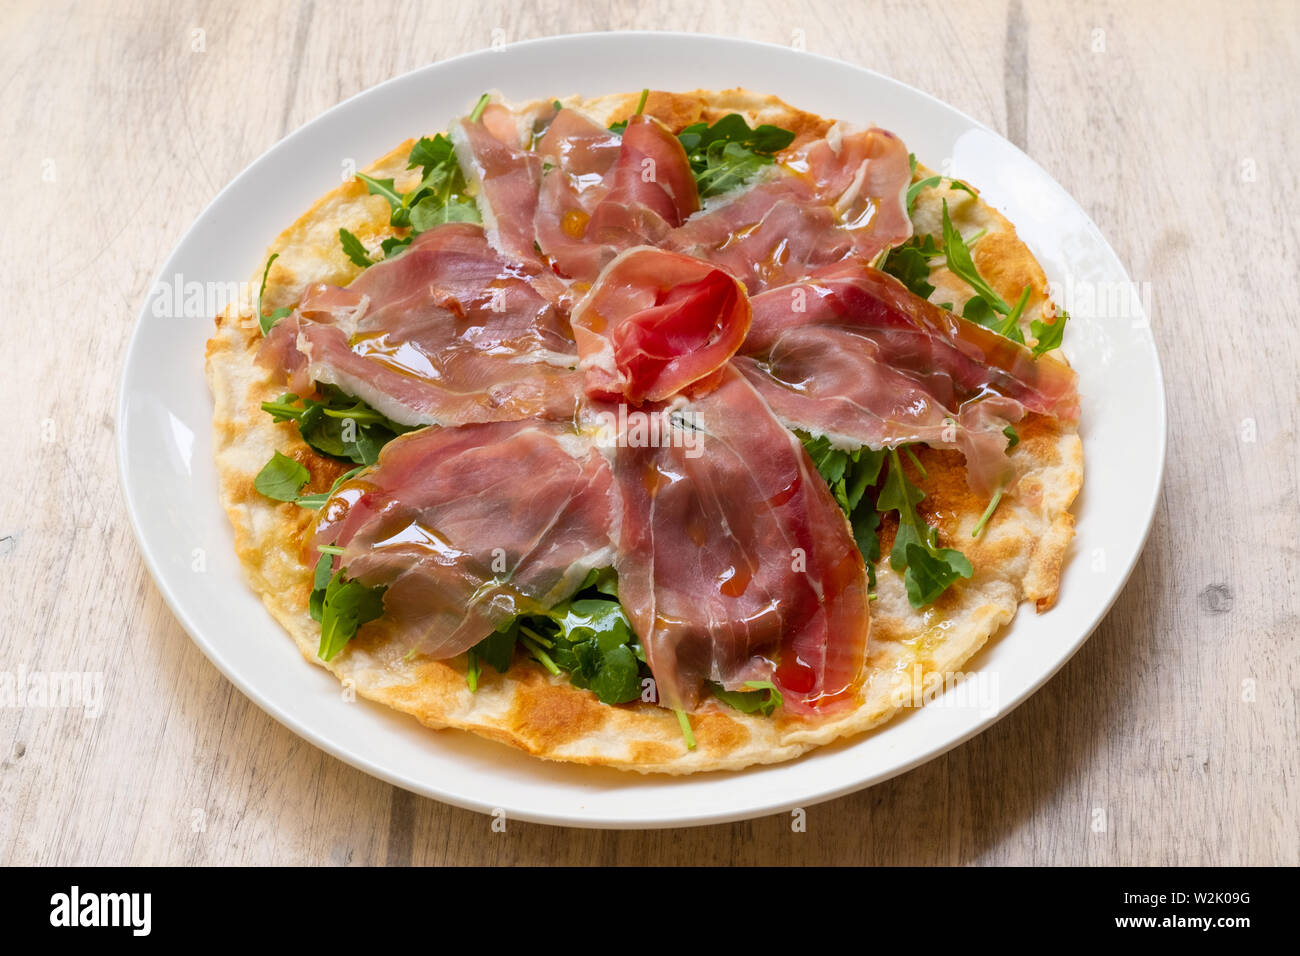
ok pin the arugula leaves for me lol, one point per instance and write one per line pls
(727, 154)
(764, 139)
(441, 196)
(595, 644)
(729, 167)
(1048, 334)
(928, 569)
(442, 193)
(978, 310)
(962, 265)
(354, 250)
(914, 190)
(267, 322)
(621, 126)
(910, 264)
(337, 424)
(316, 500)
(850, 474)
(762, 697)
(281, 478)
(341, 606)
(588, 637)
(855, 481)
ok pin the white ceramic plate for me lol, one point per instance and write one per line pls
(165, 446)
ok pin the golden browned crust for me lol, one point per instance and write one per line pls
(1018, 557)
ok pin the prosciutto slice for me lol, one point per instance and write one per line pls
(735, 564)
(852, 354)
(469, 526)
(828, 199)
(602, 193)
(446, 332)
(655, 322)
(506, 178)
(319, 303)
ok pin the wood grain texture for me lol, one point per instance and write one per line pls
(1176, 127)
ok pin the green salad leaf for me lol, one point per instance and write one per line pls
(928, 570)
(761, 697)
(386, 188)
(729, 153)
(962, 265)
(341, 606)
(441, 196)
(267, 322)
(910, 266)
(865, 490)
(621, 126)
(914, 190)
(978, 310)
(909, 263)
(1048, 334)
(281, 478)
(587, 637)
(337, 424)
(851, 475)
(354, 250)
(317, 500)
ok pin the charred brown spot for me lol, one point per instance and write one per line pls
(651, 752)
(1039, 438)
(323, 469)
(720, 730)
(1002, 260)
(888, 531)
(948, 499)
(548, 716)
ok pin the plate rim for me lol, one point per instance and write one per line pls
(212, 651)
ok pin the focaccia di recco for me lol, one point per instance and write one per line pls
(669, 432)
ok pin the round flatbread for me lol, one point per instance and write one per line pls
(1017, 558)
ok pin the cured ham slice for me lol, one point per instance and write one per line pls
(768, 235)
(602, 193)
(652, 174)
(577, 154)
(828, 199)
(864, 174)
(735, 564)
(655, 322)
(506, 177)
(447, 332)
(470, 526)
(852, 354)
(919, 336)
(319, 303)
(836, 383)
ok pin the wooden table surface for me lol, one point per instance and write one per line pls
(1174, 124)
